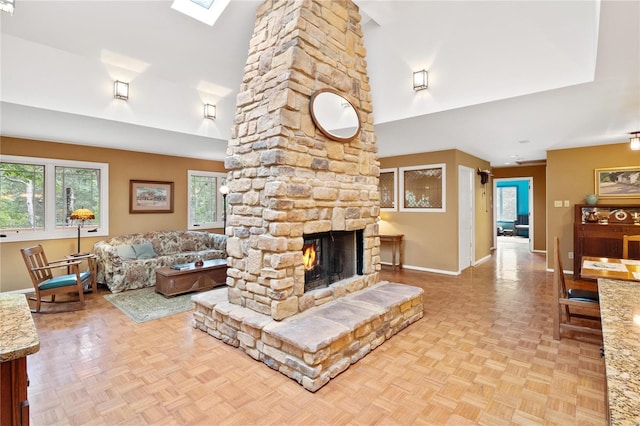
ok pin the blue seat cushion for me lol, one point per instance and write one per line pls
(583, 295)
(63, 281)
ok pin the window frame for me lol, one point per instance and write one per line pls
(393, 189)
(51, 231)
(221, 178)
(500, 191)
(443, 189)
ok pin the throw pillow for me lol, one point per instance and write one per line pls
(125, 251)
(144, 251)
(188, 246)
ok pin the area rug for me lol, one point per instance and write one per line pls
(146, 305)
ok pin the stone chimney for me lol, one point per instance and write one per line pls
(286, 178)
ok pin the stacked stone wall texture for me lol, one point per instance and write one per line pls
(286, 178)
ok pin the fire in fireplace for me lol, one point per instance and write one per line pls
(329, 257)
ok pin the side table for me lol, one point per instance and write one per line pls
(92, 262)
(396, 247)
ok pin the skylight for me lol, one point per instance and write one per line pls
(207, 11)
(7, 6)
(204, 3)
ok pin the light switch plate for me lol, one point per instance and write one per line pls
(557, 203)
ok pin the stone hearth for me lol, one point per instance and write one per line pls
(288, 180)
(318, 344)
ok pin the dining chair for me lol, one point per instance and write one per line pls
(48, 283)
(625, 244)
(575, 302)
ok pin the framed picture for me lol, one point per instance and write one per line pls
(147, 196)
(618, 182)
(423, 188)
(388, 188)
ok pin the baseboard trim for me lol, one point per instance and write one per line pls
(435, 271)
(484, 259)
(21, 291)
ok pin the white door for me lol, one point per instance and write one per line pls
(466, 217)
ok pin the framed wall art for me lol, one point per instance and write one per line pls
(388, 188)
(618, 182)
(146, 196)
(423, 188)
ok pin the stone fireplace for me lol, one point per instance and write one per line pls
(303, 292)
(286, 178)
(329, 257)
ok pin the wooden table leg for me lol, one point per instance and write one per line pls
(393, 254)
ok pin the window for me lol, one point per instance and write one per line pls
(423, 188)
(507, 202)
(206, 209)
(388, 188)
(37, 196)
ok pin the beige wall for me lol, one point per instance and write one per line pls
(431, 239)
(539, 183)
(571, 176)
(123, 166)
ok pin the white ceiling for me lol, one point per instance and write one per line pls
(508, 80)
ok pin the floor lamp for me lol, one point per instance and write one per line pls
(224, 190)
(82, 215)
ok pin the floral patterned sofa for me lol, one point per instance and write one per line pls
(130, 261)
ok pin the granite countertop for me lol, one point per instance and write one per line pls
(620, 312)
(18, 335)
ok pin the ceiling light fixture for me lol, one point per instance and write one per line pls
(120, 90)
(634, 141)
(420, 80)
(7, 6)
(210, 111)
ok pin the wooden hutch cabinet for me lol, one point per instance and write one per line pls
(598, 231)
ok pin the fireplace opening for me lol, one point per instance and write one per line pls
(329, 257)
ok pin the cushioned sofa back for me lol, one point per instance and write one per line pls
(169, 242)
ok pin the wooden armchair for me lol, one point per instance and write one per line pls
(576, 302)
(46, 283)
(625, 244)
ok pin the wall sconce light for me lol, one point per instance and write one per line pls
(7, 6)
(121, 90)
(210, 111)
(634, 141)
(420, 80)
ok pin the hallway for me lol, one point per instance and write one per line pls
(482, 354)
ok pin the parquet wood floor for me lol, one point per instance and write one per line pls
(483, 354)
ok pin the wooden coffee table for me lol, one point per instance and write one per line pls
(171, 282)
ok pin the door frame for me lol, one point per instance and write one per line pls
(529, 180)
(466, 230)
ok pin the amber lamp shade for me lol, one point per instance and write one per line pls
(81, 215)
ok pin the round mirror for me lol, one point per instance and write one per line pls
(334, 115)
